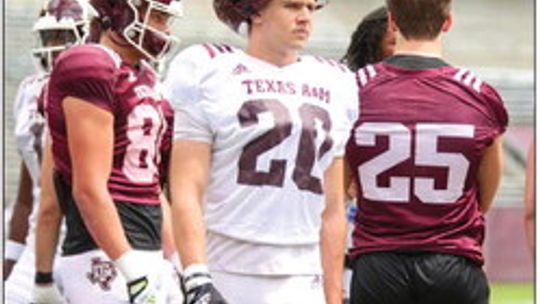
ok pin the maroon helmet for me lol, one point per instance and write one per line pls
(129, 19)
(61, 24)
(234, 12)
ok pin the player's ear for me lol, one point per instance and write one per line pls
(447, 23)
(255, 18)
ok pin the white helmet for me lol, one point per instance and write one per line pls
(62, 24)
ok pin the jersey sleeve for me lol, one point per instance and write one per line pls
(166, 143)
(348, 110)
(18, 105)
(182, 87)
(88, 73)
(22, 95)
(498, 114)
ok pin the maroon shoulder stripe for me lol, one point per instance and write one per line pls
(209, 50)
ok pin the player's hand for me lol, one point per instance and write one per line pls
(199, 288)
(142, 291)
(46, 294)
(143, 285)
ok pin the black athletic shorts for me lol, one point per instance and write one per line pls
(141, 223)
(417, 278)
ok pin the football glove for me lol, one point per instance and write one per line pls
(198, 286)
(46, 294)
(143, 287)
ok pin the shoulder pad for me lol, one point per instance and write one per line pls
(331, 63)
(217, 49)
(86, 61)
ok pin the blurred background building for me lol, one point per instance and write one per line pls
(494, 38)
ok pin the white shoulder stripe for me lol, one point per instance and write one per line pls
(371, 71)
(476, 85)
(468, 78)
(460, 74)
(362, 77)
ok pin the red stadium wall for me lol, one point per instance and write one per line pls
(506, 251)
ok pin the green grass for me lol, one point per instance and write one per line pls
(512, 293)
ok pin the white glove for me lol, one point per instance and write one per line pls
(46, 294)
(143, 285)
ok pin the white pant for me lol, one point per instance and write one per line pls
(19, 284)
(91, 278)
(266, 289)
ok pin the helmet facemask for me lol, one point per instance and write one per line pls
(152, 42)
(61, 25)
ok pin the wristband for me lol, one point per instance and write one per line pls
(130, 265)
(196, 275)
(175, 260)
(43, 277)
(13, 250)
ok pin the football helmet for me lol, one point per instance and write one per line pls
(129, 19)
(62, 23)
(235, 13)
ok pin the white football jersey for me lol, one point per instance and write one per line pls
(30, 131)
(273, 130)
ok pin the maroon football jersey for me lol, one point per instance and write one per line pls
(142, 118)
(414, 153)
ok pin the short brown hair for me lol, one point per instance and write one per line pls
(419, 19)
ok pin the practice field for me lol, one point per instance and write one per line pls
(512, 293)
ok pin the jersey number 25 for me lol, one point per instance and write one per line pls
(426, 154)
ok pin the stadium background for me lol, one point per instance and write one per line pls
(494, 38)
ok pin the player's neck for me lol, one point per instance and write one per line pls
(428, 48)
(127, 53)
(274, 55)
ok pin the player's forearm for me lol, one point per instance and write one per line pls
(333, 231)
(48, 227)
(49, 215)
(529, 199)
(189, 232)
(167, 237)
(18, 225)
(188, 176)
(529, 231)
(102, 220)
(333, 236)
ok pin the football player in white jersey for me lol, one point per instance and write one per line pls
(57, 28)
(257, 154)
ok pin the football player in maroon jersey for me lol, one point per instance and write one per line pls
(110, 130)
(529, 200)
(426, 156)
(371, 42)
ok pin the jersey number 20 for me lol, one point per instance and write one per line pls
(306, 155)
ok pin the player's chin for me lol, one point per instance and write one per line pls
(299, 43)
